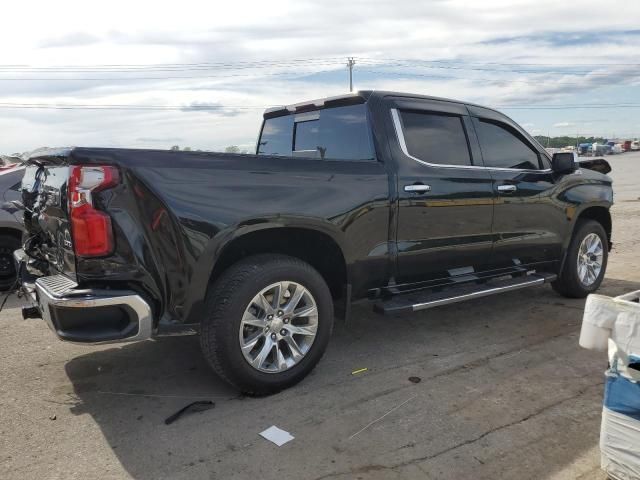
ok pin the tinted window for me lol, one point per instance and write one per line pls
(277, 136)
(307, 136)
(436, 138)
(340, 133)
(501, 148)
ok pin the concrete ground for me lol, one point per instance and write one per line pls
(505, 392)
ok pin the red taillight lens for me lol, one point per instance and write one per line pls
(90, 228)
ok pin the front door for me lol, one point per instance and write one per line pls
(528, 225)
(445, 196)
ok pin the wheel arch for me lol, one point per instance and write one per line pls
(313, 246)
(599, 213)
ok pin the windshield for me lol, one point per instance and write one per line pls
(340, 133)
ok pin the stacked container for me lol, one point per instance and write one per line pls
(614, 324)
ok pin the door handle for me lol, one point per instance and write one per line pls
(417, 188)
(507, 188)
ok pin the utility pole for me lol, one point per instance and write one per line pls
(350, 63)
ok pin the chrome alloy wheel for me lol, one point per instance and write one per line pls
(278, 327)
(590, 255)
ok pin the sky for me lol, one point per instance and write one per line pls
(200, 74)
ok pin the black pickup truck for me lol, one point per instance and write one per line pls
(405, 200)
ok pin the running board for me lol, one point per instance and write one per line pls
(428, 299)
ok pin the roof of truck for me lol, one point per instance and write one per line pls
(361, 96)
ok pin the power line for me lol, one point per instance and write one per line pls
(194, 68)
(326, 61)
(269, 63)
(422, 64)
(72, 106)
(204, 107)
(149, 70)
(508, 64)
(203, 65)
(568, 107)
(427, 75)
(106, 79)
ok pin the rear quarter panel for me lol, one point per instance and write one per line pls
(176, 211)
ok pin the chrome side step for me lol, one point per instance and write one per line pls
(428, 299)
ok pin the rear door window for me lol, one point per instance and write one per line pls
(340, 133)
(503, 148)
(436, 138)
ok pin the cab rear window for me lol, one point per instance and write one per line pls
(340, 133)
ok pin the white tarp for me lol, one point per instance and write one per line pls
(614, 324)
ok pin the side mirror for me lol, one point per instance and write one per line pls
(563, 162)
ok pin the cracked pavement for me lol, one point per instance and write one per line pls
(505, 392)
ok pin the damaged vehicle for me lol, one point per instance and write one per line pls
(11, 218)
(407, 201)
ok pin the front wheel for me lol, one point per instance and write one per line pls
(586, 261)
(268, 323)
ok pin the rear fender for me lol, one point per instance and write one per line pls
(215, 249)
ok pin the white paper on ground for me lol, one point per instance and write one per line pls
(277, 435)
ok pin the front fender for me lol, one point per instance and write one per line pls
(581, 198)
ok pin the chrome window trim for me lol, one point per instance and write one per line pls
(397, 124)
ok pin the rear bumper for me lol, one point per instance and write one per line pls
(90, 316)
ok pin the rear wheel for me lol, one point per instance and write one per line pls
(586, 261)
(268, 323)
(8, 244)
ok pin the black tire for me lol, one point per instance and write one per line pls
(8, 244)
(225, 304)
(568, 283)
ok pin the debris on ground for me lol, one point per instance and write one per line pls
(276, 435)
(360, 370)
(198, 406)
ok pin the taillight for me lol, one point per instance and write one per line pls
(90, 228)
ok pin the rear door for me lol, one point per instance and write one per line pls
(528, 224)
(445, 196)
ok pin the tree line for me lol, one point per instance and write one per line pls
(559, 142)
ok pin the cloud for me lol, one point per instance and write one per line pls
(72, 39)
(159, 139)
(295, 50)
(215, 108)
(568, 39)
(563, 125)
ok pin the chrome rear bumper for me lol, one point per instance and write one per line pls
(90, 316)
